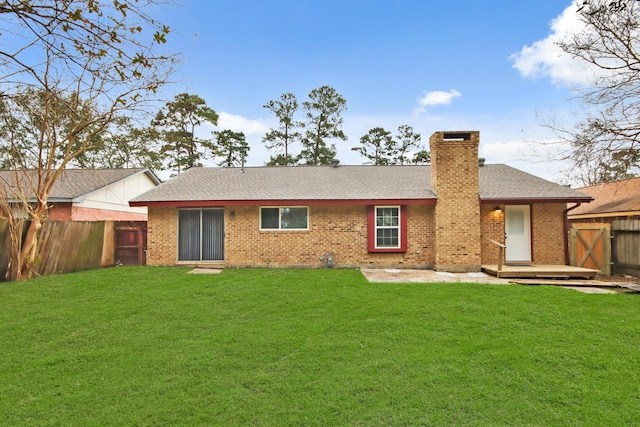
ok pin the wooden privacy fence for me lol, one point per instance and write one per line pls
(68, 246)
(71, 246)
(5, 245)
(626, 246)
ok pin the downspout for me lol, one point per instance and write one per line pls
(566, 231)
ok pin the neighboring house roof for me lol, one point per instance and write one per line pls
(73, 184)
(343, 183)
(621, 198)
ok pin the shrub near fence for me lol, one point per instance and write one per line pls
(66, 246)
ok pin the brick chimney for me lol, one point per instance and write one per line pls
(454, 177)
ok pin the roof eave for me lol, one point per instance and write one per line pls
(49, 200)
(152, 176)
(525, 200)
(273, 202)
(604, 214)
(311, 202)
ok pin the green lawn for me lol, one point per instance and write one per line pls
(157, 346)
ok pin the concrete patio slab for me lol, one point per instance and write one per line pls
(429, 276)
(206, 271)
(393, 275)
(592, 290)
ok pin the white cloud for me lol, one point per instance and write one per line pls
(545, 59)
(437, 97)
(540, 157)
(241, 124)
(506, 152)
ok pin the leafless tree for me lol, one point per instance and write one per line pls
(605, 145)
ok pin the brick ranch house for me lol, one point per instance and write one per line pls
(442, 216)
(89, 194)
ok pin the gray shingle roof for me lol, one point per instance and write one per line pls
(74, 183)
(306, 183)
(294, 183)
(501, 182)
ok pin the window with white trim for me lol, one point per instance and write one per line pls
(387, 227)
(284, 218)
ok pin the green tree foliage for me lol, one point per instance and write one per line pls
(377, 146)
(406, 140)
(381, 148)
(232, 147)
(422, 157)
(323, 121)
(177, 123)
(124, 145)
(605, 145)
(82, 64)
(286, 134)
(73, 127)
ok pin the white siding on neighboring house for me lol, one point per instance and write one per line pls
(116, 196)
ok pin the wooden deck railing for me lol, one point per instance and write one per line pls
(501, 249)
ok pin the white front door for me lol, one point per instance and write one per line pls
(517, 227)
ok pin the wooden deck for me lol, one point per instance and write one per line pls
(540, 271)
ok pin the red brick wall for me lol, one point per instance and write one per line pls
(88, 214)
(60, 212)
(162, 236)
(67, 212)
(454, 174)
(492, 228)
(547, 233)
(341, 229)
(547, 228)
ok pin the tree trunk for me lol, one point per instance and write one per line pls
(27, 258)
(15, 236)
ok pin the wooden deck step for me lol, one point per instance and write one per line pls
(565, 282)
(540, 271)
(633, 286)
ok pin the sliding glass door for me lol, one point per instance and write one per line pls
(201, 235)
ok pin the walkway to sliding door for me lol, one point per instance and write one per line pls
(201, 235)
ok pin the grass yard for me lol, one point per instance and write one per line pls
(265, 347)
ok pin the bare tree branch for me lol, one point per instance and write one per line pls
(68, 70)
(604, 146)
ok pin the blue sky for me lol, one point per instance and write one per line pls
(435, 65)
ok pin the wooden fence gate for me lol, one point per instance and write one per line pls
(131, 243)
(590, 247)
